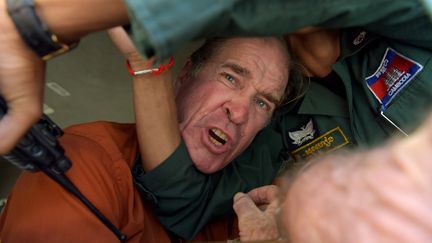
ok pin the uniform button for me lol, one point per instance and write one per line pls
(360, 38)
(139, 171)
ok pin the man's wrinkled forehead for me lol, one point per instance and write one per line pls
(273, 94)
(266, 58)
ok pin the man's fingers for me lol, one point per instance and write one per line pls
(264, 194)
(254, 225)
(244, 206)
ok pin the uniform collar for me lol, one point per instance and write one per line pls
(321, 101)
(353, 40)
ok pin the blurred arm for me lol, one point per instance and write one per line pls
(382, 195)
(22, 72)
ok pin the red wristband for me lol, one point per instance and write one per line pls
(154, 71)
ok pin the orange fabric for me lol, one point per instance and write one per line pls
(39, 210)
(102, 153)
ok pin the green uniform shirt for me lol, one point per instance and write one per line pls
(323, 121)
(185, 199)
(161, 27)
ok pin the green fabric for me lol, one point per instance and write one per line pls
(321, 101)
(428, 5)
(164, 26)
(188, 199)
(330, 116)
(358, 116)
(406, 110)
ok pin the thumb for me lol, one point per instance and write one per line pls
(244, 206)
(253, 224)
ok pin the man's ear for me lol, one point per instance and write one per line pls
(184, 75)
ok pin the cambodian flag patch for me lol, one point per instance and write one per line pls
(393, 74)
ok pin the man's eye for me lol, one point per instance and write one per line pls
(230, 78)
(262, 104)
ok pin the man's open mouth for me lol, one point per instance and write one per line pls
(217, 137)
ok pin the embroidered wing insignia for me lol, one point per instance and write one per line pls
(305, 133)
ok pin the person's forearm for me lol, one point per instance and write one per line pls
(154, 105)
(156, 118)
(72, 19)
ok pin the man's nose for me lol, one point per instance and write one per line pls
(237, 111)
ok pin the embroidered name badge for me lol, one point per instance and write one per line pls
(325, 143)
(393, 74)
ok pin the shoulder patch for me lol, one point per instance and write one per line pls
(393, 74)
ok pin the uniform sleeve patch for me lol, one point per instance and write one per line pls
(393, 74)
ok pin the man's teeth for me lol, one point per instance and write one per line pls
(220, 134)
(215, 142)
(218, 137)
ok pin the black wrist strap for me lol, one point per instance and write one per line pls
(33, 30)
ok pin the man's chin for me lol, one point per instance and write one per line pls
(208, 166)
(205, 168)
